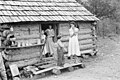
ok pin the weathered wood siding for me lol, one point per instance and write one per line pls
(32, 56)
(86, 37)
(26, 33)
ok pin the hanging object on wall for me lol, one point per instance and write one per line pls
(11, 29)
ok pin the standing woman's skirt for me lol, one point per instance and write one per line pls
(50, 45)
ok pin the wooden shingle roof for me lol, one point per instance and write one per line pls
(43, 10)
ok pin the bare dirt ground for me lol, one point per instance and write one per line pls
(105, 66)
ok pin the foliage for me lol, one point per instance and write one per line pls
(101, 8)
(108, 11)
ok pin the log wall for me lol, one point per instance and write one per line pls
(29, 33)
(26, 34)
(86, 36)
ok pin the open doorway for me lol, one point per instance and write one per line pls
(46, 26)
(54, 27)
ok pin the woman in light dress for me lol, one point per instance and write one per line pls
(43, 40)
(73, 47)
(49, 43)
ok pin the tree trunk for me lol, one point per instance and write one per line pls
(103, 30)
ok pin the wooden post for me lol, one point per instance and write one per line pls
(103, 31)
(40, 40)
(55, 32)
(40, 32)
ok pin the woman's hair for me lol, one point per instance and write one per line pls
(73, 23)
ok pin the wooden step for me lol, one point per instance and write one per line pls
(42, 71)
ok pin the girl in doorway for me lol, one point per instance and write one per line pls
(49, 41)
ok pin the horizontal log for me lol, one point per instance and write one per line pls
(31, 61)
(88, 46)
(84, 47)
(82, 42)
(81, 32)
(80, 37)
(24, 63)
(24, 50)
(48, 65)
(45, 62)
(19, 57)
(36, 36)
(26, 37)
(87, 51)
(87, 41)
(85, 31)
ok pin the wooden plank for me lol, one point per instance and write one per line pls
(26, 37)
(88, 46)
(87, 41)
(81, 42)
(47, 65)
(14, 70)
(81, 32)
(67, 65)
(23, 50)
(25, 62)
(33, 61)
(44, 62)
(87, 51)
(40, 49)
(85, 31)
(84, 47)
(42, 71)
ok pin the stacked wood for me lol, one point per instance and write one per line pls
(86, 40)
(24, 56)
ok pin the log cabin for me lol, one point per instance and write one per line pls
(29, 17)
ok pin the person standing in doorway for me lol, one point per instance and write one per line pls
(73, 47)
(49, 41)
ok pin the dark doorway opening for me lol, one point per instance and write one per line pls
(54, 27)
(46, 26)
